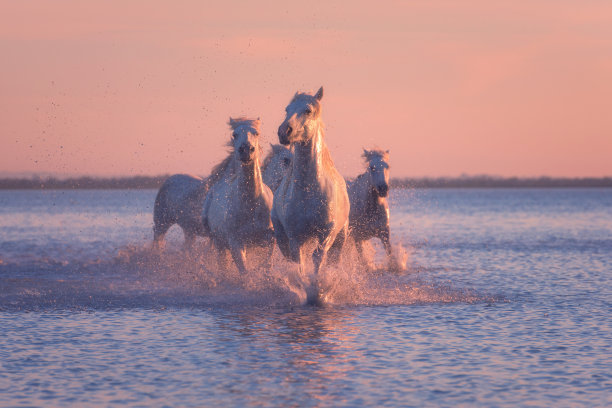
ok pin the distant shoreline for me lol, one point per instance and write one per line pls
(154, 182)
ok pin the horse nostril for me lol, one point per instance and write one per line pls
(289, 130)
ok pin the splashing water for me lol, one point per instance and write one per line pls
(141, 277)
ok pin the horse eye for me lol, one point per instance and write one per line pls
(308, 111)
(235, 135)
(372, 168)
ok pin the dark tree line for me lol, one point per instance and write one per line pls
(154, 182)
(101, 183)
(500, 182)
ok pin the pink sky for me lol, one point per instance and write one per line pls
(146, 87)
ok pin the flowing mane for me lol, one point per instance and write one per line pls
(370, 154)
(326, 155)
(219, 170)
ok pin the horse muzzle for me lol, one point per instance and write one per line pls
(245, 153)
(382, 190)
(284, 131)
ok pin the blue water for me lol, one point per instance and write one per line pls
(506, 301)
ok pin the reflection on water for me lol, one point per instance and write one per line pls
(311, 348)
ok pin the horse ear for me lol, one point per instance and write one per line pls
(319, 94)
(231, 122)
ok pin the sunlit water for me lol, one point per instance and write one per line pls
(506, 301)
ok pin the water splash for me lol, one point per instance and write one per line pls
(138, 276)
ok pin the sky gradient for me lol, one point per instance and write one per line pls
(146, 87)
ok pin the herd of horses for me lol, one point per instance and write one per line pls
(295, 199)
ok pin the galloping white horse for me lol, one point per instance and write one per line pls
(369, 215)
(275, 165)
(236, 211)
(311, 204)
(179, 201)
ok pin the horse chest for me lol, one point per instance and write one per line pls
(308, 207)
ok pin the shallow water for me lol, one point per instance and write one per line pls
(506, 301)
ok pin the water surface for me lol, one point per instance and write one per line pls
(506, 301)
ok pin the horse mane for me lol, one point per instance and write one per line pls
(243, 120)
(375, 152)
(325, 154)
(219, 170)
(309, 98)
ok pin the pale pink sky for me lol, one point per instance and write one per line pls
(146, 87)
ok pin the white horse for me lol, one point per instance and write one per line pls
(275, 165)
(236, 211)
(179, 201)
(311, 204)
(369, 215)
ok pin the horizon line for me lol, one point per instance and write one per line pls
(155, 182)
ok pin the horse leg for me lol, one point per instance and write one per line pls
(368, 264)
(359, 248)
(221, 256)
(384, 238)
(281, 237)
(325, 240)
(239, 254)
(311, 286)
(335, 251)
(159, 231)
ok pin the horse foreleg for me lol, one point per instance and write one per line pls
(239, 255)
(368, 264)
(159, 231)
(281, 237)
(384, 238)
(320, 254)
(221, 257)
(335, 251)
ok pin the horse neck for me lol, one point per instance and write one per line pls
(250, 178)
(369, 190)
(309, 159)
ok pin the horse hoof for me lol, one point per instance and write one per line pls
(314, 296)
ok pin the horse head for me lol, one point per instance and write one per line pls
(245, 138)
(378, 170)
(302, 118)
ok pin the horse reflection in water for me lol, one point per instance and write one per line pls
(236, 211)
(179, 201)
(276, 165)
(369, 217)
(311, 204)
